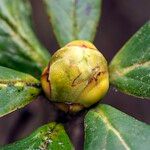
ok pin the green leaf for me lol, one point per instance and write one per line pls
(110, 129)
(73, 19)
(19, 47)
(48, 137)
(16, 90)
(130, 68)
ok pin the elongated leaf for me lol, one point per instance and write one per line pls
(19, 47)
(130, 68)
(108, 128)
(48, 137)
(16, 90)
(73, 19)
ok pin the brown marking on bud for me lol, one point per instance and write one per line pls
(75, 82)
(82, 44)
(93, 81)
(95, 74)
(46, 82)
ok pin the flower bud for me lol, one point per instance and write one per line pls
(76, 77)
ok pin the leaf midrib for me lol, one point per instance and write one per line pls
(134, 66)
(30, 84)
(121, 72)
(75, 20)
(109, 126)
(51, 131)
(17, 34)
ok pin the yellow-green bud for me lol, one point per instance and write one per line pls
(77, 76)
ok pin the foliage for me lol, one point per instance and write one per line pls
(105, 127)
(130, 68)
(16, 90)
(17, 39)
(114, 130)
(50, 136)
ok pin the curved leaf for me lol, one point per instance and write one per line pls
(130, 68)
(16, 90)
(48, 137)
(19, 47)
(110, 129)
(73, 19)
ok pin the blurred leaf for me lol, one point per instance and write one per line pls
(73, 19)
(19, 47)
(110, 129)
(16, 90)
(130, 68)
(48, 137)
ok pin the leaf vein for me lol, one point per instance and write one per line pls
(124, 71)
(110, 127)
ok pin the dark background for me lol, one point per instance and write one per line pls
(119, 21)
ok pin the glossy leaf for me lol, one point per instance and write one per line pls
(16, 90)
(130, 68)
(73, 19)
(19, 47)
(48, 137)
(110, 129)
